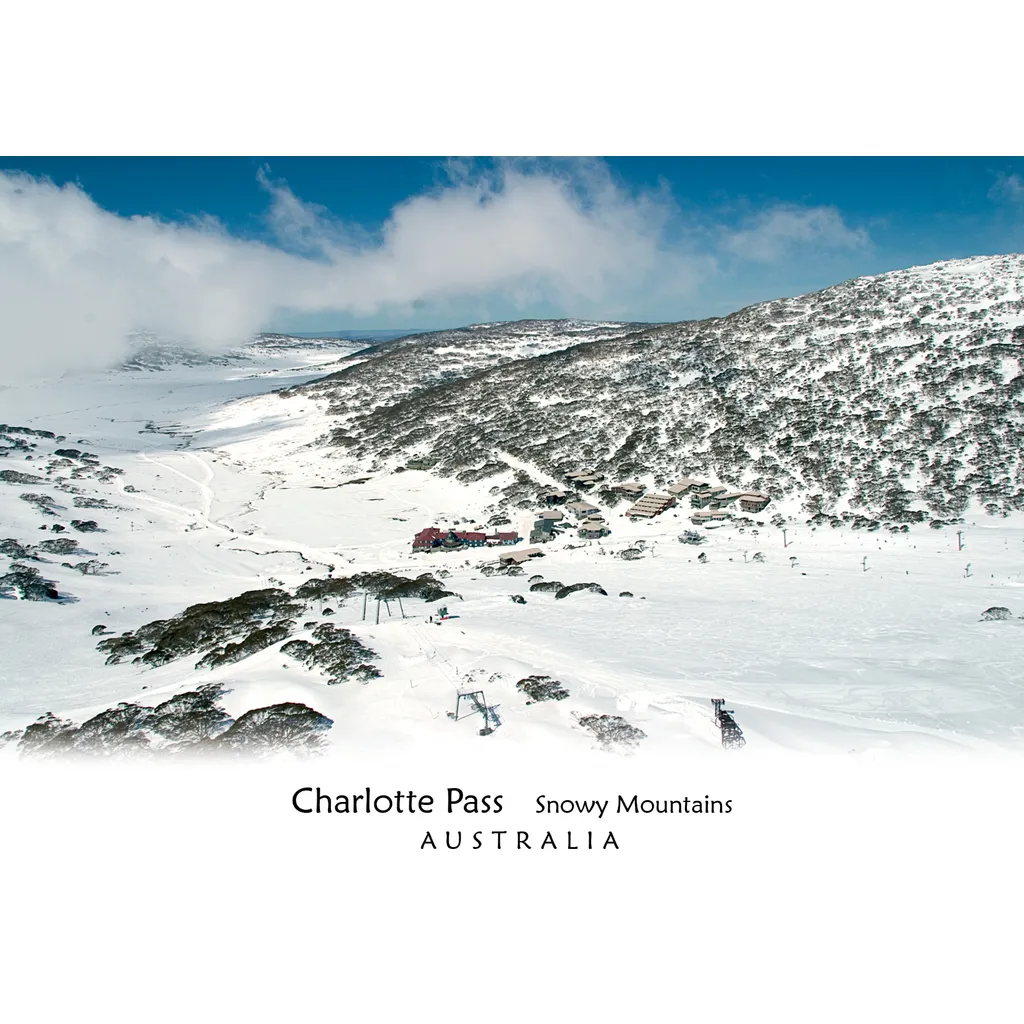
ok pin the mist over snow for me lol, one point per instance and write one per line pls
(75, 278)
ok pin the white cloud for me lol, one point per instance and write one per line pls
(1007, 188)
(775, 233)
(75, 279)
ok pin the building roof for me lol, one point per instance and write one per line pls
(582, 506)
(650, 505)
(520, 556)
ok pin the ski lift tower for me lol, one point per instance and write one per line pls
(478, 705)
(732, 734)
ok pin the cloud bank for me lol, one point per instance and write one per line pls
(75, 279)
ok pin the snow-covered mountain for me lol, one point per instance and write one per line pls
(148, 351)
(193, 558)
(894, 396)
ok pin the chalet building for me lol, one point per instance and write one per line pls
(700, 499)
(753, 502)
(502, 539)
(632, 488)
(424, 462)
(684, 486)
(582, 508)
(433, 539)
(543, 531)
(554, 497)
(727, 499)
(515, 557)
(650, 505)
(716, 515)
(584, 479)
(553, 514)
(593, 530)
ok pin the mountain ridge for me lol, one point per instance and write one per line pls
(893, 395)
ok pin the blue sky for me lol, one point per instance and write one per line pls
(622, 238)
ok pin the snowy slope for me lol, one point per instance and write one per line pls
(868, 641)
(893, 396)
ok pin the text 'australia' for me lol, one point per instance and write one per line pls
(507, 840)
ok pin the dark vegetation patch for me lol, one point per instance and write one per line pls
(203, 628)
(593, 587)
(85, 525)
(517, 598)
(612, 731)
(258, 640)
(547, 586)
(15, 549)
(24, 581)
(93, 503)
(60, 546)
(320, 590)
(92, 567)
(263, 731)
(337, 653)
(387, 586)
(996, 614)
(30, 431)
(43, 503)
(192, 722)
(691, 537)
(225, 632)
(541, 688)
(12, 476)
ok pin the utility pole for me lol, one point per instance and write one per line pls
(959, 540)
(865, 563)
(784, 544)
(364, 605)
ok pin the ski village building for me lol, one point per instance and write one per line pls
(754, 502)
(650, 505)
(593, 528)
(631, 488)
(582, 508)
(546, 526)
(517, 557)
(433, 539)
(554, 497)
(584, 479)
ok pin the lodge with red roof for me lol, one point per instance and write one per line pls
(433, 539)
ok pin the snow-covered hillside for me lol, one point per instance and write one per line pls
(895, 397)
(200, 483)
